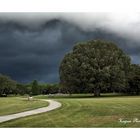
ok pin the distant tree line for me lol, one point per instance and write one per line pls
(9, 87)
(94, 66)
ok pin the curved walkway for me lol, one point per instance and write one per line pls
(52, 105)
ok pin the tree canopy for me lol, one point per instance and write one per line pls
(134, 79)
(93, 66)
(35, 88)
(7, 85)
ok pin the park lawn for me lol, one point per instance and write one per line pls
(85, 112)
(10, 105)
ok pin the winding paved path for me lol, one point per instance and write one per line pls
(52, 105)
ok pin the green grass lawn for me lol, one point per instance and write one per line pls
(10, 105)
(85, 112)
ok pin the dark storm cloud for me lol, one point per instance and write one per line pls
(32, 48)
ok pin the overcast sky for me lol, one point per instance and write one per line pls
(32, 45)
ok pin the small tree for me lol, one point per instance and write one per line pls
(35, 88)
(7, 85)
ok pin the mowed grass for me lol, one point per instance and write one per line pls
(10, 105)
(85, 112)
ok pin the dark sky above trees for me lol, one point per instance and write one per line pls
(33, 45)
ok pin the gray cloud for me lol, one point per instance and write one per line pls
(127, 24)
(33, 45)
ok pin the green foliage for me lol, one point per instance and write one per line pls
(50, 88)
(93, 66)
(35, 88)
(7, 85)
(23, 89)
(134, 80)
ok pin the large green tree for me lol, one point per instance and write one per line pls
(93, 66)
(7, 85)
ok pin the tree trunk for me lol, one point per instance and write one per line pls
(97, 92)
